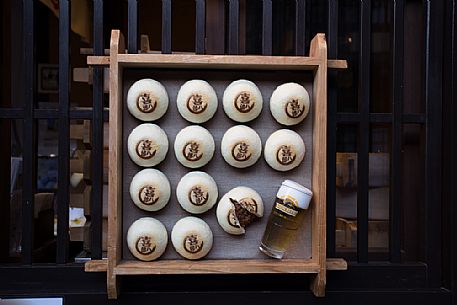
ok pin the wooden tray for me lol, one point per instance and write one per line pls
(119, 262)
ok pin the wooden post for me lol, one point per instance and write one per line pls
(115, 168)
(319, 178)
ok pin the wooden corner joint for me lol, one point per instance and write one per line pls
(337, 64)
(98, 60)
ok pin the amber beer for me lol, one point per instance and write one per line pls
(286, 217)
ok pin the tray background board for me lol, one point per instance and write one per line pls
(260, 176)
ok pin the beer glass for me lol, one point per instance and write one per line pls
(285, 218)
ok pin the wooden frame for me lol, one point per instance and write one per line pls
(317, 265)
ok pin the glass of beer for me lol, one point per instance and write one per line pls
(285, 218)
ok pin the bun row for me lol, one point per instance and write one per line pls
(147, 100)
(197, 193)
(194, 147)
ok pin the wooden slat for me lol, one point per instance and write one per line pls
(115, 168)
(333, 264)
(98, 60)
(104, 60)
(98, 265)
(319, 164)
(216, 266)
(337, 64)
(219, 61)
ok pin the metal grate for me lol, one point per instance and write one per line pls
(363, 117)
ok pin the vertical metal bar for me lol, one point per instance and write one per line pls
(364, 131)
(63, 195)
(267, 33)
(300, 27)
(397, 99)
(332, 47)
(215, 20)
(96, 203)
(453, 153)
(29, 154)
(433, 99)
(166, 26)
(132, 44)
(200, 25)
(234, 28)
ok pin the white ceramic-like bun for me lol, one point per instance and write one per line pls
(284, 150)
(147, 238)
(225, 211)
(147, 100)
(197, 101)
(194, 146)
(147, 145)
(242, 101)
(197, 192)
(289, 104)
(192, 237)
(241, 146)
(150, 190)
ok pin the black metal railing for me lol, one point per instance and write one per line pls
(431, 119)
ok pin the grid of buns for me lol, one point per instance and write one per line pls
(194, 147)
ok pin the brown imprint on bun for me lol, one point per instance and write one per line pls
(144, 245)
(146, 149)
(240, 151)
(243, 102)
(192, 243)
(285, 155)
(146, 103)
(191, 151)
(294, 108)
(198, 196)
(148, 195)
(231, 218)
(196, 103)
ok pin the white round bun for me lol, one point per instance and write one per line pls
(194, 146)
(197, 101)
(147, 239)
(147, 100)
(150, 190)
(192, 237)
(147, 145)
(242, 101)
(241, 146)
(289, 104)
(197, 192)
(225, 211)
(284, 150)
